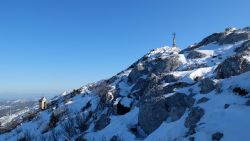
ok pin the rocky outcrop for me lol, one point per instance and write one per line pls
(194, 116)
(139, 88)
(157, 66)
(102, 122)
(195, 55)
(138, 71)
(232, 66)
(122, 109)
(202, 100)
(229, 36)
(244, 49)
(210, 39)
(158, 109)
(217, 136)
(234, 37)
(207, 85)
(169, 78)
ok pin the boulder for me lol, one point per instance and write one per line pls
(244, 48)
(155, 110)
(169, 78)
(122, 109)
(217, 136)
(103, 122)
(193, 66)
(194, 116)
(232, 66)
(116, 138)
(240, 91)
(138, 71)
(195, 55)
(207, 85)
(202, 100)
(157, 66)
(156, 90)
(226, 106)
(165, 65)
(140, 86)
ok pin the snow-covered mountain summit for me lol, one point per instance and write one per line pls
(200, 93)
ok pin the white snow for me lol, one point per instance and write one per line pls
(126, 101)
(119, 126)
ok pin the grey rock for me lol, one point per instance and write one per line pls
(157, 66)
(169, 78)
(103, 122)
(240, 91)
(202, 100)
(155, 110)
(159, 90)
(195, 55)
(138, 71)
(193, 66)
(234, 37)
(115, 138)
(215, 37)
(232, 66)
(244, 49)
(121, 109)
(165, 65)
(207, 85)
(226, 106)
(230, 36)
(139, 88)
(152, 114)
(193, 118)
(217, 136)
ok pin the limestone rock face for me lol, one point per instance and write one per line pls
(195, 55)
(217, 136)
(232, 66)
(169, 78)
(102, 122)
(207, 85)
(152, 114)
(202, 100)
(194, 116)
(244, 48)
(157, 109)
(229, 36)
(234, 37)
(157, 66)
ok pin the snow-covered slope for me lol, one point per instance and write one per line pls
(200, 93)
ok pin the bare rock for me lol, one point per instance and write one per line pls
(207, 85)
(217, 136)
(232, 66)
(103, 122)
(195, 55)
(202, 100)
(244, 48)
(157, 109)
(193, 118)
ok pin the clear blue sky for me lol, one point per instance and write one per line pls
(48, 46)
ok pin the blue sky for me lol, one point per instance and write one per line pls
(48, 46)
